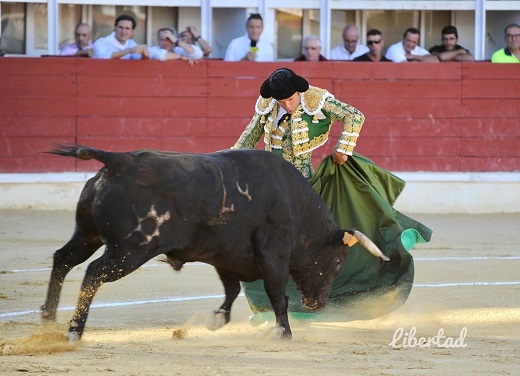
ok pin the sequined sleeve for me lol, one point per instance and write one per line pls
(251, 135)
(352, 120)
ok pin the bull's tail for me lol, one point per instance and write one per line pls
(109, 159)
(351, 237)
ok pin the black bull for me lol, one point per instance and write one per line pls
(248, 213)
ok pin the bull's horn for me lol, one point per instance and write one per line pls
(368, 244)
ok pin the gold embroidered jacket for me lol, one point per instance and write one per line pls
(307, 130)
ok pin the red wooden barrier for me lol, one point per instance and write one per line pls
(419, 117)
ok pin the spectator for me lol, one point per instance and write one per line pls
(511, 53)
(186, 42)
(202, 43)
(172, 47)
(350, 49)
(82, 45)
(375, 43)
(408, 49)
(450, 50)
(251, 47)
(119, 44)
(311, 50)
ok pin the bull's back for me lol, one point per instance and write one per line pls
(226, 196)
(246, 182)
(281, 186)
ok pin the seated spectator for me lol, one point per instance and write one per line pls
(350, 49)
(375, 43)
(450, 50)
(82, 45)
(408, 49)
(511, 53)
(197, 39)
(185, 43)
(251, 47)
(311, 49)
(172, 47)
(119, 44)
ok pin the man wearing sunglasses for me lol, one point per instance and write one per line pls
(350, 49)
(375, 44)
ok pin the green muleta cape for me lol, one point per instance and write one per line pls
(360, 195)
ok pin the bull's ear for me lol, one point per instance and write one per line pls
(349, 239)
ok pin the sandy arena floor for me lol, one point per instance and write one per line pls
(152, 321)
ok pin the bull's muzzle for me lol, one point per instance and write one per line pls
(313, 304)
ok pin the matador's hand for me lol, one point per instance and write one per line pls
(338, 157)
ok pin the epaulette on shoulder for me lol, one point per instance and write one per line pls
(314, 99)
(264, 105)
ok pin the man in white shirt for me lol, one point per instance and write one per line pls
(119, 44)
(250, 47)
(350, 49)
(409, 50)
(173, 47)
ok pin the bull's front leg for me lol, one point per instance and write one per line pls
(275, 282)
(232, 288)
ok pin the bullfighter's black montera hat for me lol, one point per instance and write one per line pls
(282, 84)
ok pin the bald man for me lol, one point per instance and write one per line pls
(82, 45)
(350, 49)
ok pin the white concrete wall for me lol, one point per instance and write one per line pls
(471, 193)
(52, 191)
(429, 193)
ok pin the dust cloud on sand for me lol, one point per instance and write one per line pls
(49, 339)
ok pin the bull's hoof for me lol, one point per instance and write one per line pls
(74, 333)
(73, 337)
(177, 265)
(46, 315)
(216, 320)
(174, 263)
(277, 332)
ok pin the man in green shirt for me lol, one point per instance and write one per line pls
(511, 53)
